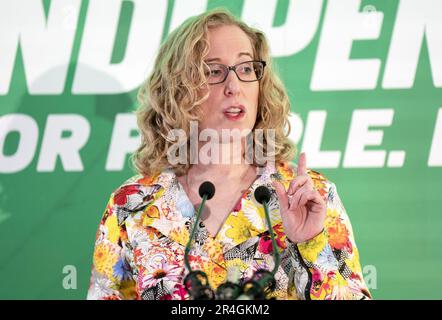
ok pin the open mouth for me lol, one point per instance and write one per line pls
(234, 111)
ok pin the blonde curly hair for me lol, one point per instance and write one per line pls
(172, 95)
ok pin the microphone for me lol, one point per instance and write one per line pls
(263, 281)
(206, 189)
(196, 282)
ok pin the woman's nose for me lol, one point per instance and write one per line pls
(232, 84)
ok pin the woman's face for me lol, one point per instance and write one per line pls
(229, 45)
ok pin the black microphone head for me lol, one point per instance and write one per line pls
(207, 188)
(262, 194)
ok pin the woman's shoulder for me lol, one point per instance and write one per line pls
(135, 190)
(140, 179)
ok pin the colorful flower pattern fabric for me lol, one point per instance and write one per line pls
(140, 242)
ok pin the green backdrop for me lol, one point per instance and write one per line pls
(364, 79)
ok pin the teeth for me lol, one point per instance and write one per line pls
(234, 110)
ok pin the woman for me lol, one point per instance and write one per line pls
(140, 245)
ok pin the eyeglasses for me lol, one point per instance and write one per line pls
(247, 71)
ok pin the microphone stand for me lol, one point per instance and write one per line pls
(276, 256)
(189, 243)
(262, 281)
(196, 282)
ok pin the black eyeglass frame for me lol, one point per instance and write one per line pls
(233, 68)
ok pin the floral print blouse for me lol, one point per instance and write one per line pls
(140, 242)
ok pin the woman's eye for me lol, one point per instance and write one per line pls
(216, 73)
(246, 69)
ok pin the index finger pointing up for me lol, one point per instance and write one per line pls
(302, 164)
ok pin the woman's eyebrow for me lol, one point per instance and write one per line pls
(239, 55)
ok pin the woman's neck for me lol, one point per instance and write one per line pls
(220, 160)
